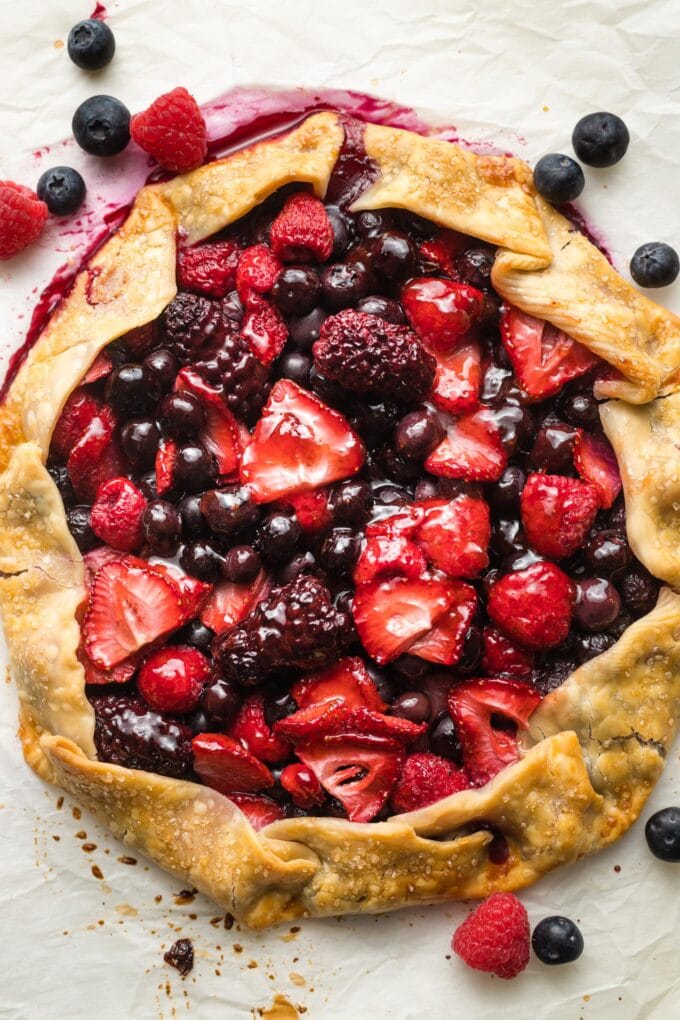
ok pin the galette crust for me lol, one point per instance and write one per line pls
(595, 746)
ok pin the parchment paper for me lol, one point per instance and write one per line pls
(518, 74)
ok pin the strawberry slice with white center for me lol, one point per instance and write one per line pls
(348, 680)
(77, 414)
(96, 457)
(221, 434)
(226, 766)
(444, 643)
(455, 534)
(596, 463)
(440, 311)
(192, 592)
(486, 749)
(359, 771)
(166, 458)
(334, 717)
(311, 510)
(230, 603)
(250, 728)
(120, 674)
(458, 378)
(299, 444)
(543, 357)
(471, 450)
(444, 249)
(99, 369)
(130, 605)
(390, 549)
(258, 809)
(391, 614)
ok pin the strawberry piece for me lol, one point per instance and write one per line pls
(130, 605)
(101, 367)
(78, 412)
(543, 357)
(302, 232)
(558, 513)
(444, 250)
(390, 549)
(230, 603)
(96, 558)
(192, 593)
(256, 272)
(334, 717)
(455, 534)
(444, 643)
(224, 765)
(495, 937)
(22, 218)
(502, 657)
(458, 378)
(316, 720)
(299, 444)
(391, 614)
(166, 457)
(348, 680)
(265, 330)
(311, 510)
(250, 728)
(302, 785)
(208, 268)
(116, 515)
(359, 772)
(596, 463)
(533, 606)
(487, 750)
(172, 679)
(424, 779)
(259, 810)
(221, 434)
(173, 131)
(472, 450)
(441, 311)
(120, 674)
(96, 457)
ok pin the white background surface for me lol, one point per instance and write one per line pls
(76, 947)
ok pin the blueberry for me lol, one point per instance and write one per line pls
(597, 604)
(162, 527)
(393, 256)
(558, 178)
(221, 700)
(340, 550)
(418, 433)
(304, 331)
(91, 44)
(557, 940)
(343, 284)
(195, 467)
(600, 139)
(296, 290)
(655, 264)
(62, 189)
(202, 560)
(198, 635)
(295, 365)
(139, 439)
(662, 832)
(277, 537)
(101, 126)
(386, 308)
(78, 518)
(412, 705)
(132, 389)
(241, 564)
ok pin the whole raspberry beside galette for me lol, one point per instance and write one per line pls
(330, 530)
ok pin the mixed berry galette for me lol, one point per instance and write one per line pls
(317, 575)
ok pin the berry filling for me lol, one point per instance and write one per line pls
(345, 518)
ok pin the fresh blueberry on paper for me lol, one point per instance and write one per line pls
(558, 178)
(557, 940)
(62, 189)
(101, 126)
(663, 834)
(91, 44)
(600, 139)
(655, 264)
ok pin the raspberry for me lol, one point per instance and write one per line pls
(302, 232)
(173, 131)
(426, 778)
(117, 514)
(533, 606)
(265, 330)
(172, 679)
(256, 273)
(366, 354)
(208, 268)
(22, 218)
(193, 323)
(244, 379)
(295, 626)
(126, 733)
(495, 937)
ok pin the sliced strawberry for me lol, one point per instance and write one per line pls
(558, 513)
(302, 232)
(543, 357)
(425, 779)
(596, 463)
(302, 785)
(226, 766)
(259, 810)
(78, 412)
(360, 773)
(455, 534)
(265, 330)
(120, 674)
(256, 274)
(299, 444)
(96, 457)
(488, 750)
(96, 558)
(458, 378)
(472, 449)
(221, 435)
(130, 605)
(311, 510)
(391, 614)
(192, 592)
(99, 369)
(230, 603)
(172, 679)
(334, 716)
(313, 721)
(444, 643)
(250, 728)
(208, 268)
(389, 549)
(502, 657)
(533, 606)
(116, 516)
(444, 250)
(348, 680)
(166, 458)
(441, 311)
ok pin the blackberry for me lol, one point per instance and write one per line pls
(243, 377)
(192, 323)
(366, 354)
(126, 733)
(295, 626)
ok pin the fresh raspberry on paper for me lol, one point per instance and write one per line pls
(22, 218)
(173, 131)
(495, 937)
